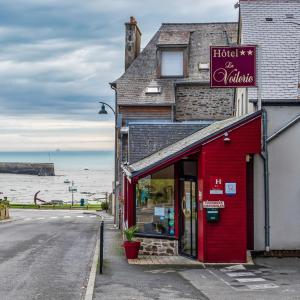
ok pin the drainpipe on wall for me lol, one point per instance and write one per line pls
(116, 208)
(265, 157)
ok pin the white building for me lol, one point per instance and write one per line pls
(274, 26)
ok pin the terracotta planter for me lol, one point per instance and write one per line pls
(132, 249)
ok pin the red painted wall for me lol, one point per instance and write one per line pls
(226, 240)
(125, 208)
(130, 203)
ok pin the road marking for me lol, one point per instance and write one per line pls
(240, 274)
(40, 218)
(28, 219)
(262, 286)
(93, 216)
(250, 279)
(67, 216)
(79, 216)
(53, 217)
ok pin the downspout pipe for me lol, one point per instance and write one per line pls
(265, 157)
(116, 208)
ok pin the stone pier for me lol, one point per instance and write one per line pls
(41, 169)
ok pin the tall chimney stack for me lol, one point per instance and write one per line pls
(132, 41)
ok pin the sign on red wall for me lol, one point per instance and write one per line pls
(232, 66)
(216, 185)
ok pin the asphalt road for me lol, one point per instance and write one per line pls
(46, 254)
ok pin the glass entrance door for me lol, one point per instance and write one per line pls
(188, 216)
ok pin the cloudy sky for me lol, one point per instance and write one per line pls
(58, 56)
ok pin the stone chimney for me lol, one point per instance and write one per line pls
(132, 41)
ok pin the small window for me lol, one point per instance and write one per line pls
(172, 63)
(153, 90)
(289, 16)
(203, 66)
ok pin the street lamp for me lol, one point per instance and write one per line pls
(103, 111)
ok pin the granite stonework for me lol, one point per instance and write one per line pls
(196, 102)
(160, 247)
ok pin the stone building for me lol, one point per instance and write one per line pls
(274, 26)
(164, 95)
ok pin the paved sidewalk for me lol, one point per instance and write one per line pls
(122, 281)
(165, 260)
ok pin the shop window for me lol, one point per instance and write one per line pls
(155, 203)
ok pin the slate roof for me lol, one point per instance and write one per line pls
(279, 39)
(146, 138)
(131, 86)
(183, 145)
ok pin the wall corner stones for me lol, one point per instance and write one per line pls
(158, 247)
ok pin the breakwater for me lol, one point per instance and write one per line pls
(40, 169)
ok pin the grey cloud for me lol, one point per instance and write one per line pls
(58, 56)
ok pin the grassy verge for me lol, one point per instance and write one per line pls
(64, 206)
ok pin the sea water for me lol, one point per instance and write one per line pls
(91, 171)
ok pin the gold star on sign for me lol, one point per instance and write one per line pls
(242, 52)
(250, 52)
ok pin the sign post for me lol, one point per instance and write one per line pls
(232, 67)
(72, 189)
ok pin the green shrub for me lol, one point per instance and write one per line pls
(104, 206)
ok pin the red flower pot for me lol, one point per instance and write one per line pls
(132, 249)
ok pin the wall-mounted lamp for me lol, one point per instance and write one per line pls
(226, 138)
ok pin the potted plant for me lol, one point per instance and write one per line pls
(131, 247)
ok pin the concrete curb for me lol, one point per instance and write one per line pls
(91, 282)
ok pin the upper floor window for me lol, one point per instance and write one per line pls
(172, 63)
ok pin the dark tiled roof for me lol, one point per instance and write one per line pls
(186, 143)
(131, 86)
(148, 138)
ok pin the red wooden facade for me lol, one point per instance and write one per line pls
(225, 159)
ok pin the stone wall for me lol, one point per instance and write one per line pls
(41, 169)
(198, 102)
(160, 247)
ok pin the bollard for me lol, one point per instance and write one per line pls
(101, 247)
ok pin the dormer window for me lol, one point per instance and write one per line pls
(171, 63)
(172, 54)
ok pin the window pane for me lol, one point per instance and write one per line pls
(172, 63)
(155, 203)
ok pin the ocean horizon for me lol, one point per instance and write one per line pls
(91, 171)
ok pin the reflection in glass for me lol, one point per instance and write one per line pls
(155, 203)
